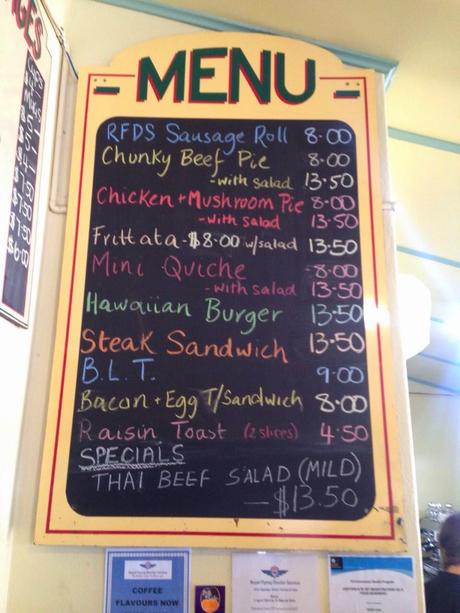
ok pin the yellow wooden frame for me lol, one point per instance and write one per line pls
(381, 529)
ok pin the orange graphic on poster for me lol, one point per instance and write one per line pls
(210, 600)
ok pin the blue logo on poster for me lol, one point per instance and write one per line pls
(274, 572)
(148, 565)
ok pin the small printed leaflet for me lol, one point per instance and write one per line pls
(275, 582)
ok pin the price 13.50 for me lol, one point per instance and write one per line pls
(319, 342)
(336, 247)
(291, 501)
(342, 314)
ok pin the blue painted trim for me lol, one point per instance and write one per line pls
(428, 256)
(435, 358)
(425, 141)
(444, 388)
(348, 56)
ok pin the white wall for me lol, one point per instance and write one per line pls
(96, 31)
(15, 350)
(15, 344)
(436, 428)
(51, 579)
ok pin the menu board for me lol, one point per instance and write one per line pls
(221, 365)
(23, 191)
(25, 72)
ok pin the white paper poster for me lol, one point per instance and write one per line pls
(275, 582)
(377, 584)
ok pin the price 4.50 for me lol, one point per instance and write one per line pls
(348, 433)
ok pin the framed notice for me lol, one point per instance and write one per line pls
(371, 583)
(147, 580)
(222, 370)
(25, 69)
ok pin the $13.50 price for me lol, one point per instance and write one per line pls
(322, 314)
(336, 247)
(319, 342)
(293, 500)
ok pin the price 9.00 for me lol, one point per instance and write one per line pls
(342, 374)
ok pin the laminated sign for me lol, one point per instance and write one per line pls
(222, 374)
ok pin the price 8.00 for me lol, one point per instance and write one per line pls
(342, 202)
(349, 403)
(339, 271)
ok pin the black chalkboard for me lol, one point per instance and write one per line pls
(222, 367)
(17, 261)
